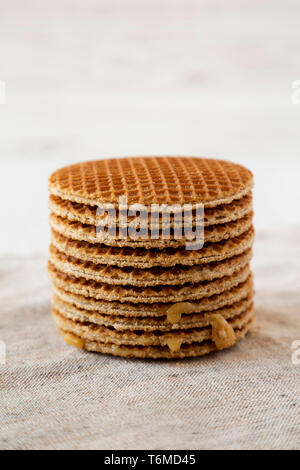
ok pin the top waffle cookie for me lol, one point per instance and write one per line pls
(152, 180)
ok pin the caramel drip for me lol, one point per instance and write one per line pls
(174, 344)
(74, 340)
(175, 311)
(223, 334)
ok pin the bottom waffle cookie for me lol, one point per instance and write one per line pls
(151, 352)
(219, 330)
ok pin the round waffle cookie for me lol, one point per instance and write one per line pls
(178, 344)
(158, 309)
(143, 258)
(162, 323)
(149, 294)
(76, 212)
(152, 180)
(138, 337)
(147, 277)
(146, 296)
(90, 233)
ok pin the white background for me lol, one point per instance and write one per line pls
(92, 79)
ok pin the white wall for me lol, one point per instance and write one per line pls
(110, 78)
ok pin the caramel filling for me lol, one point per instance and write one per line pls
(74, 340)
(223, 334)
(175, 311)
(174, 344)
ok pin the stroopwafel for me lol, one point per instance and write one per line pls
(142, 293)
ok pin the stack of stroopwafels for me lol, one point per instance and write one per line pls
(143, 296)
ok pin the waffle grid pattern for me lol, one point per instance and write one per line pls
(154, 180)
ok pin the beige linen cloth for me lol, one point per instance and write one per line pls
(54, 396)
